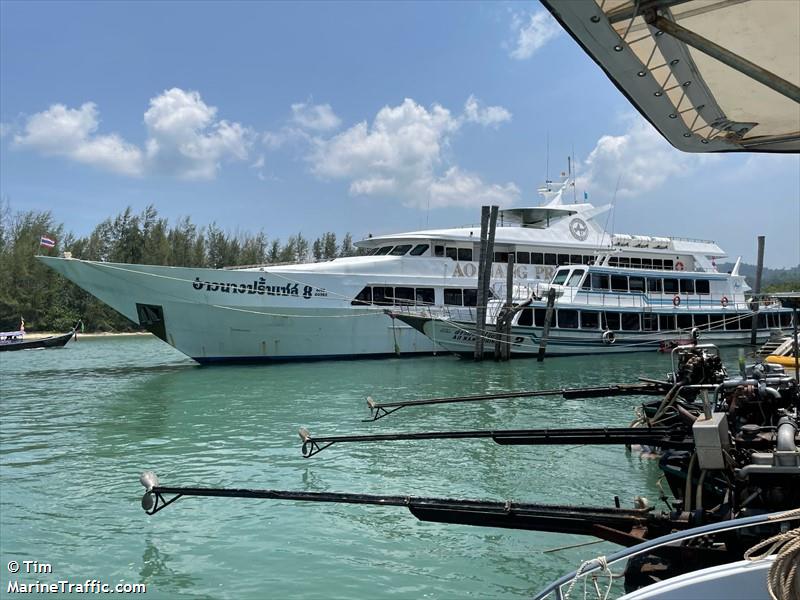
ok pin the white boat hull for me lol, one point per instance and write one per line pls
(459, 337)
(276, 319)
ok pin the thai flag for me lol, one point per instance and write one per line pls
(47, 242)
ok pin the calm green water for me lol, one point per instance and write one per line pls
(78, 425)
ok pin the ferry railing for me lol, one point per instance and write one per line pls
(603, 564)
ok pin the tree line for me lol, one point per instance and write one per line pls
(48, 302)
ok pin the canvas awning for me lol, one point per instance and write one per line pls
(710, 75)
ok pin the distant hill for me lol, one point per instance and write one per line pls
(771, 279)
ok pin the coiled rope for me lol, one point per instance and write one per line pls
(783, 579)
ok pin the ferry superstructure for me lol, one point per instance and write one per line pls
(335, 309)
(603, 308)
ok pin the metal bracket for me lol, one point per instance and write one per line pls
(153, 501)
(310, 446)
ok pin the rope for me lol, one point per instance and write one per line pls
(583, 570)
(783, 579)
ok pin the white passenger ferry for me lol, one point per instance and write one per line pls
(606, 308)
(335, 309)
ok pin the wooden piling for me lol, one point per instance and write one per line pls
(548, 317)
(488, 226)
(757, 290)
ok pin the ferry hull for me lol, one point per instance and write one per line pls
(269, 320)
(459, 337)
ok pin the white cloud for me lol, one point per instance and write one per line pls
(490, 115)
(401, 154)
(68, 132)
(459, 188)
(5, 129)
(317, 117)
(533, 33)
(641, 159)
(184, 139)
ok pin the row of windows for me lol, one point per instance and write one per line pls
(641, 263)
(627, 321)
(389, 296)
(653, 285)
(521, 258)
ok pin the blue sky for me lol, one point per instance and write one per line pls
(360, 117)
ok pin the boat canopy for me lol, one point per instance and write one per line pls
(537, 217)
(710, 75)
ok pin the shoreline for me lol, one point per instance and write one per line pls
(43, 334)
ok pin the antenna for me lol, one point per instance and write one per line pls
(547, 163)
(574, 199)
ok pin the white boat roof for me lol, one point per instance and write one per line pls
(710, 75)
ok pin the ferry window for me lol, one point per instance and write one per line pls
(658, 263)
(630, 321)
(587, 284)
(575, 259)
(550, 259)
(501, 257)
(438, 251)
(560, 277)
(732, 323)
(636, 263)
(624, 261)
(654, 286)
(647, 263)
(687, 286)
(637, 284)
(382, 295)
(537, 258)
(666, 322)
(599, 281)
(786, 319)
(539, 315)
(747, 322)
(470, 297)
(563, 259)
(568, 319)
(451, 253)
(670, 286)
(363, 297)
(668, 264)
(575, 278)
(702, 286)
(590, 320)
(523, 258)
(611, 321)
(613, 261)
(384, 250)
(526, 318)
(400, 250)
(425, 296)
(419, 249)
(701, 321)
(684, 321)
(404, 295)
(649, 322)
(717, 321)
(453, 296)
(588, 260)
(619, 283)
(465, 254)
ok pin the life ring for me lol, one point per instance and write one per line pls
(609, 337)
(676, 301)
(724, 301)
(679, 266)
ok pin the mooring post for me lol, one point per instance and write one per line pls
(489, 220)
(480, 319)
(757, 291)
(506, 348)
(548, 317)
